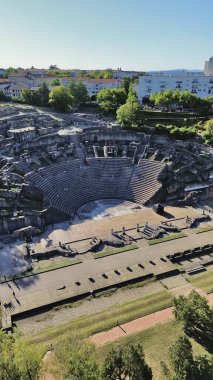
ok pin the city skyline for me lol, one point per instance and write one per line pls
(95, 34)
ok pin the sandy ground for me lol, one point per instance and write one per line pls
(66, 232)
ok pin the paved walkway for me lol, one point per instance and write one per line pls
(140, 324)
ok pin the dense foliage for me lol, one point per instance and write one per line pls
(96, 74)
(182, 133)
(18, 361)
(183, 99)
(185, 366)
(126, 364)
(2, 96)
(110, 99)
(208, 132)
(196, 315)
(38, 97)
(79, 91)
(61, 99)
(128, 114)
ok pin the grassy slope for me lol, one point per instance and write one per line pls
(88, 325)
(203, 281)
(156, 342)
(166, 238)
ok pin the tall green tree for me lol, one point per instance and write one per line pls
(17, 360)
(38, 97)
(195, 314)
(61, 99)
(55, 82)
(110, 99)
(181, 356)
(2, 96)
(43, 94)
(128, 114)
(8, 369)
(78, 361)
(9, 71)
(79, 91)
(126, 364)
(185, 366)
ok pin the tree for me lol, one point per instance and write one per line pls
(185, 366)
(61, 99)
(207, 134)
(28, 361)
(43, 94)
(55, 82)
(9, 71)
(2, 96)
(110, 99)
(126, 363)
(17, 360)
(61, 73)
(184, 99)
(204, 368)
(79, 91)
(53, 67)
(79, 361)
(8, 370)
(126, 84)
(196, 315)
(181, 356)
(128, 114)
(38, 97)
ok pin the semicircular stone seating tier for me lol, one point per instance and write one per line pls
(69, 185)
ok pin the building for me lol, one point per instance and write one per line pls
(2, 72)
(208, 69)
(198, 83)
(13, 90)
(124, 73)
(202, 86)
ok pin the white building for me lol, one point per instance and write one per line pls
(202, 86)
(208, 69)
(13, 90)
(124, 73)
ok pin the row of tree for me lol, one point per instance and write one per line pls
(182, 99)
(60, 98)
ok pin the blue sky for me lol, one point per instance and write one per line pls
(132, 34)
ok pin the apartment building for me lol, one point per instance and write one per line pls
(208, 69)
(201, 86)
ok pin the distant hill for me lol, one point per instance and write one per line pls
(176, 72)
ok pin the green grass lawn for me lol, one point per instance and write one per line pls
(85, 326)
(110, 252)
(156, 342)
(203, 229)
(167, 238)
(203, 281)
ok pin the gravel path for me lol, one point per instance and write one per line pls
(39, 322)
